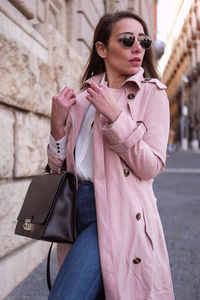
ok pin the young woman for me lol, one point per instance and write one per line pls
(114, 136)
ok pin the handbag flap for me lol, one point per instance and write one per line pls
(40, 196)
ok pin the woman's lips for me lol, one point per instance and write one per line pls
(135, 62)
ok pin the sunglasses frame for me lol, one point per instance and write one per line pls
(140, 40)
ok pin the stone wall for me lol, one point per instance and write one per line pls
(44, 45)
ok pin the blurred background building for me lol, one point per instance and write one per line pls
(44, 45)
(180, 69)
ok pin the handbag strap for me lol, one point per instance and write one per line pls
(48, 275)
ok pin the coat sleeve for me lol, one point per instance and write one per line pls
(142, 143)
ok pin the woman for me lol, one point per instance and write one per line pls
(118, 126)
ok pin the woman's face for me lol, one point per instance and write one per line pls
(120, 61)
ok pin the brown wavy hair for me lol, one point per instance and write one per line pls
(102, 33)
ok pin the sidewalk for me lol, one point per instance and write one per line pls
(178, 192)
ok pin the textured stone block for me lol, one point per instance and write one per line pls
(19, 82)
(68, 70)
(28, 9)
(67, 64)
(86, 30)
(11, 199)
(6, 142)
(48, 88)
(92, 10)
(25, 82)
(31, 138)
(15, 26)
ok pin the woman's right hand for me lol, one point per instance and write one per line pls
(61, 105)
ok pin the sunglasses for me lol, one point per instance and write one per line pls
(127, 40)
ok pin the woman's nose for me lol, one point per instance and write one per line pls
(136, 46)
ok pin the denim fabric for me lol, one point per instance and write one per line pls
(80, 275)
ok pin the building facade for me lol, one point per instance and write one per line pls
(181, 73)
(44, 45)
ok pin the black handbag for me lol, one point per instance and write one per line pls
(48, 212)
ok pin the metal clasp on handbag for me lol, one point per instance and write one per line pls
(27, 224)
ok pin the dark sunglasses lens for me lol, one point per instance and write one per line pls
(128, 40)
(145, 41)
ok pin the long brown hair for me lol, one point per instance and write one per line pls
(102, 33)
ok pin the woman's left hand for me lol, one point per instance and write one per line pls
(101, 97)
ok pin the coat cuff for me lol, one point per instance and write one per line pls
(124, 133)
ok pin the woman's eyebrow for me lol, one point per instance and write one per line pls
(127, 32)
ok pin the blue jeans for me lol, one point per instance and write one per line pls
(80, 275)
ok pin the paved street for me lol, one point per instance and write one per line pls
(179, 206)
(178, 193)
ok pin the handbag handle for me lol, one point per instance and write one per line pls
(63, 168)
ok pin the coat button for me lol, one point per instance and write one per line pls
(136, 260)
(126, 172)
(138, 216)
(131, 96)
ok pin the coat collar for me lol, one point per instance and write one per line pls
(136, 78)
(93, 79)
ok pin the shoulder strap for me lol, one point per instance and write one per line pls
(48, 276)
(156, 81)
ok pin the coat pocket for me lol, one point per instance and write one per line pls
(150, 229)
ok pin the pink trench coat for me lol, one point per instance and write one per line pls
(127, 156)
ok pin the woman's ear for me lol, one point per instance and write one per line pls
(101, 49)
